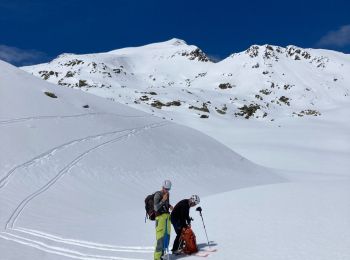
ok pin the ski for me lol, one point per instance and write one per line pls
(204, 252)
(209, 250)
(201, 253)
(198, 254)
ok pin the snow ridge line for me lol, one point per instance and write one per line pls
(59, 251)
(16, 213)
(4, 181)
(17, 120)
(86, 244)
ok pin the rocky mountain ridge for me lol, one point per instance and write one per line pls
(264, 82)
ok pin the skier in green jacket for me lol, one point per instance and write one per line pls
(163, 223)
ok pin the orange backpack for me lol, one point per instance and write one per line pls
(188, 241)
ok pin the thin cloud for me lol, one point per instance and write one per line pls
(214, 57)
(20, 57)
(338, 38)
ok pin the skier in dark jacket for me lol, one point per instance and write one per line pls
(180, 218)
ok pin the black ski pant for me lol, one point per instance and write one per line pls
(178, 228)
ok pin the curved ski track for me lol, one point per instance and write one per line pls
(85, 244)
(4, 180)
(59, 250)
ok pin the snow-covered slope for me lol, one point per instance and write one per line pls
(308, 220)
(75, 168)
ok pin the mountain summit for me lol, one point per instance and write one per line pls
(264, 82)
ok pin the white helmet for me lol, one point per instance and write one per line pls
(195, 199)
(167, 184)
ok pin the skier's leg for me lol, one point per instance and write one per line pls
(160, 229)
(167, 232)
(163, 230)
(177, 229)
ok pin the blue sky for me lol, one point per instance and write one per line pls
(34, 31)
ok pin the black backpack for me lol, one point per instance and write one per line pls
(149, 206)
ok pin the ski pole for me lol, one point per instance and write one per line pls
(199, 209)
(166, 239)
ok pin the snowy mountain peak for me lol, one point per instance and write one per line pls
(171, 45)
(173, 48)
(171, 78)
(271, 52)
(176, 42)
(268, 51)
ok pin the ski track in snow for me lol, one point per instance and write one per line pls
(22, 119)
(10, 223)
(4, 181)
(81, 243)
(84, 244)
(59, 250)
